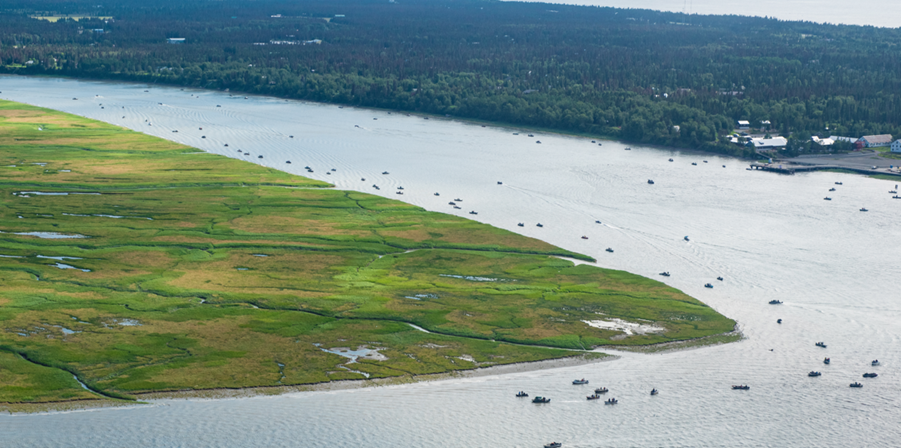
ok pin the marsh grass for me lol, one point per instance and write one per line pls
(177, 296)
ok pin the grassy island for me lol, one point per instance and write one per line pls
(131, 264)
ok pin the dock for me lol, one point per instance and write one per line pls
(792, 168)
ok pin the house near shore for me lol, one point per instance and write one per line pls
(768, 144)
(744, 124)
(874, 141)
(896, 146)
(176, 40)
(822, 141)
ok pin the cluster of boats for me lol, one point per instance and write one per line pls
(595, 396)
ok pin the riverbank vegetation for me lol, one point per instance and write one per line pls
(137, 265)
(655, 77)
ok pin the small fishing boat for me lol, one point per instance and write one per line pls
(384, 172)
(708, 285)
(436, 194)
(457, 207)
(246, 153)
(521, 225)
(539, 225)
(670, 160)
(874, 363)
(530, 135)
(838, 183)
(400, 188)
(600, 144)
(521, 394)
(686, 239)
(665, 274)
(226, 145)
(775, 302)
(259, 157)
(832, 189)
(398, 192)
(864, 210)
(654, 392)
(628, 149)
(584, 237)
(500, 183)
(593, 141)
(827, 361)
(814, 373)
(541, 400)
(538, 141)
(609, 250)
(694, 164)
(827, 198)
(458, 200)
(719, 278)
(870, 375)
(363, 179)
(334, 169)
(287, 161)
(612, 401)
(593, 397)
(724, 166)
(473, 213)
(650, 182)
(778, 321)
(601, 390)
(856, 384)
(553, 445)
(516, 133)
(578, 382)
(742, 387)
(892, 192)
(597, 222)
(821, 344)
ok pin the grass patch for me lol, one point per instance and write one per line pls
(202, 272)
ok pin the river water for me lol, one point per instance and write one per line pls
(770, 237)
(881, 13)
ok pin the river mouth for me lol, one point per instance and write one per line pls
(771, 237)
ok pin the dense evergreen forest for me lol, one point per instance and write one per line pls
(638, 75)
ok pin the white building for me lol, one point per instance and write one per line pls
(744, 124)
(823, 141)
(176, 40)
(768, 144)
(896, 146)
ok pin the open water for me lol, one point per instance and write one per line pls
(881, 13)
(770, 237)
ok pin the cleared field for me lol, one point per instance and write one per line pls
(137, 265)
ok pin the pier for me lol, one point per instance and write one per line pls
(792, 168)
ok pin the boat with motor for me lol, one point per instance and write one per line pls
(400, 188)
(870, 375)
(473, 212)
(578, 382)
(612, 401)
(436, 194)
(500, 183)
(399, 192)
(665, 273)
(521, 394)
(864, 209)
(719, 278)
(539, 225)
(451, 203)
(724, 166)
(670, 160)
(821, 344)
(654, 392)
(376, 187)
(889, 192)
(694, 164)
(384, 172)
(686, 238)
(541, 400)
(538, 141)
(521, 225)
(601, 390)
(826, 361)
(597, 222)
(856, 384)
(593, 397)
(838, 183)
(516, 133)
(457, 207)
(530, 135)
(553, 445)
(600, 144)
(584, 237)
(775, 302)
(628, 149)
(827, 198)
(896, 197)
(708, 285)
(832, 189)
(874, 363)
(609, 250)
(288, 162)
(651, 182)
(705, 161)
(778, 321)
(742, 387)
(458, 200)
(814, 373)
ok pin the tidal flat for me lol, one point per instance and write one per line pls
(185, 301)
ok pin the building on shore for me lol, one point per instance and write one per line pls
(176, 40)
(874, 141)
(823, 141)
(768, 144)
(896, 146)
(744, 124)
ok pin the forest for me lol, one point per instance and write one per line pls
(637, 75)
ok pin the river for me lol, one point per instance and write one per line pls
(769, 236)
(880, 13)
